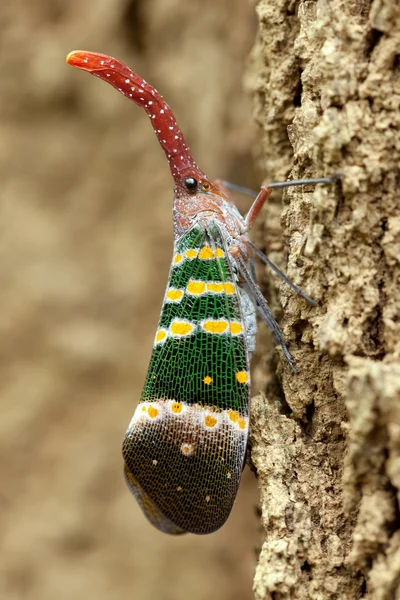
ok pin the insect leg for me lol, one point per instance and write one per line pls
(282, 275)
(253, 266)
(238, 188)
(245, 190)
(264, 310)
(323, 180)
(256, 207)
(265, 192)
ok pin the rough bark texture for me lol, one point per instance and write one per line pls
(85, 247)
(326, 442)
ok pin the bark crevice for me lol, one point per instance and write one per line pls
(333, 463)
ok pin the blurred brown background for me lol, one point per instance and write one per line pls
(85, 246)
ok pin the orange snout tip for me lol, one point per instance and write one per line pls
(86, 60)
(75, 57)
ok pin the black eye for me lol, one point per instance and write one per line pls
(191, 183)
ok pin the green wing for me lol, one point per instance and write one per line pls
(186, 443)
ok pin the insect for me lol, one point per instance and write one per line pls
(185, 446)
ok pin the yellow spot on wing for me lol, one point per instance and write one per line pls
(229, 288)
(181, 328)
(177, 259)
(233, 415)
(191, 253)
(207, 380)
(206, 253)
(176, 407)
(218, 287)
(174, 295)
(235, 327)
(242, 423)
(161, 335)
(242, 376)
(210, 421)
(196, 288)
(152, 412)
(215, 287)
(215, 326)
(219, 253)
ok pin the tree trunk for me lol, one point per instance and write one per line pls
(326, 441)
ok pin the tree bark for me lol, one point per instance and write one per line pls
(326, 441)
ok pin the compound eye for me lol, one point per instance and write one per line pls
(191, 184)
